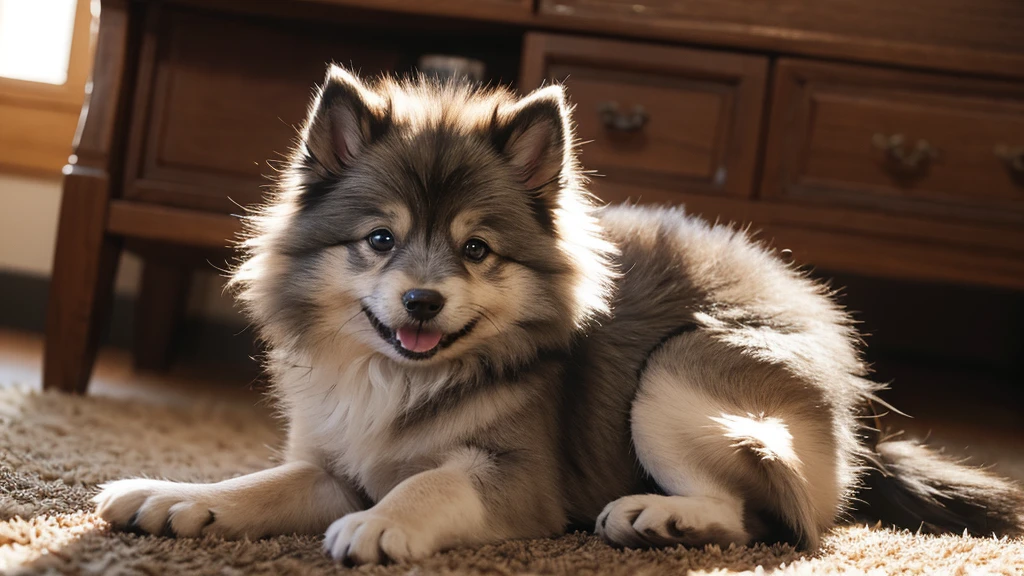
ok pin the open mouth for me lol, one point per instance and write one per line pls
(415, 341)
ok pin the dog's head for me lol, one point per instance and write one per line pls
(427, 222)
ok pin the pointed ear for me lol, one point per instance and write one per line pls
(535, 134)
(345, 117)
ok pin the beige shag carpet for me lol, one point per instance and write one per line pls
(55, 449)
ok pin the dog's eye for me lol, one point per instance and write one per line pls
(475, 250)
(381, 240)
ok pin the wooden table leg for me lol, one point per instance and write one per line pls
(86, 257)
(158, 312)
(82, 286)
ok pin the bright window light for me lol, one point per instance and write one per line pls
(35, 39)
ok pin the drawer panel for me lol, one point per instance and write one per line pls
(896, 140)
(986, 33)
(986, 25)
(221, 96)
(651, 117)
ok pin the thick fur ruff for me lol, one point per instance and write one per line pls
(466, 349)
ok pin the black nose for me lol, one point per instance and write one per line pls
(423, 304)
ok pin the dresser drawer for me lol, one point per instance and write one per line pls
(896, 141)
(952, 34)
(219, 96)
(656, 121)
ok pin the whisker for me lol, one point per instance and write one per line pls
(483, 312)
(342, 327)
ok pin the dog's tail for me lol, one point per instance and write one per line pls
(916, 487)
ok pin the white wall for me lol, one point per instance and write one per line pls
(29, 209)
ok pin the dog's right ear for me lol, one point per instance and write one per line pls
(345, 117)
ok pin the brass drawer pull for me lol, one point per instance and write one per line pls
(615, 119)
(1013, 156)
(905, 160)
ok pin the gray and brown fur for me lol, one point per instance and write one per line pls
(635, 370)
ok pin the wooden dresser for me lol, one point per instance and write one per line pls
(867, 136)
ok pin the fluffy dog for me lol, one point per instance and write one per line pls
(466, 349)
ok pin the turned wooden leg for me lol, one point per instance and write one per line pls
(82, 286)
(86, 257)
(158, 312)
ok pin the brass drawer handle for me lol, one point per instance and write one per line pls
(907, 161)
(1013, 156)
(615, 119)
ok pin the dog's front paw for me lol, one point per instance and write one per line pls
(370, 537)
(170, 509)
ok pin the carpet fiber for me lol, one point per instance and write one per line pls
(54, 450)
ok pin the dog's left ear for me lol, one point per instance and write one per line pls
(534, 135)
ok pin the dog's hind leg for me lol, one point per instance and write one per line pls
(737, 444)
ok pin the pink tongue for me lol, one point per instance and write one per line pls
(418, 340)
